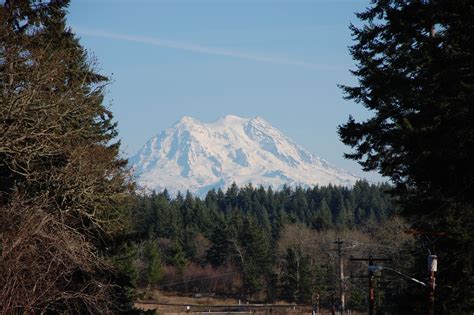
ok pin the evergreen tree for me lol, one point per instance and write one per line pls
(299, 204)
(165, 219)
(277, 220)
(341, 215)
(323, 217)
(254, 255)
(154, 270)
(62, 182)
(231, 196)
(211, 201)
(203, 218)
(188, 235)
(415, 70)
(126, 262)
(219, 252)
(296, 277)
(177, 257)
(221, 200)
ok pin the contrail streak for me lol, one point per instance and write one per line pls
(199, 48)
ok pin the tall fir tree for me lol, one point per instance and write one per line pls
(323, 216)
(154, 269)
(416, 74)
(62, 182)
(297, 277)
(254, 256)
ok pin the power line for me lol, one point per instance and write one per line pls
(400, 289)
(197, 279)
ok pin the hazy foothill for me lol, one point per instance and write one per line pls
(233, 216)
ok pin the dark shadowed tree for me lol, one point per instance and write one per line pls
(416, 74)
(296, 277)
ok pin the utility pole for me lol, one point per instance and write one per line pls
(432, 268)
(371, 293)
(371, 287)
(333, 305)
(431, 236)
(315, 300)
(341, 276)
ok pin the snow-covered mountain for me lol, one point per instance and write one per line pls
(197, 156)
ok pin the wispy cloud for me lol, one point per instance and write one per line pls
(192, 47)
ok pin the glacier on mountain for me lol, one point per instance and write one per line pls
(197, 156)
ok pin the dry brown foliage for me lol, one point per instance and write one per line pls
(47, 265)
(61, 180)
(223, 280)
(386, 240)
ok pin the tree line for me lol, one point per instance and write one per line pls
(257, 244)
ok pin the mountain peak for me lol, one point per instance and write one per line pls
(188, 120)
(232, 118)
(197, 156)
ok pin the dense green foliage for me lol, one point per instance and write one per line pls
(318, 207)
(416, 73)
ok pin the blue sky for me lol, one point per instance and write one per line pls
(277, 59)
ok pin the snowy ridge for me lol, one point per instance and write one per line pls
(198, 157)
